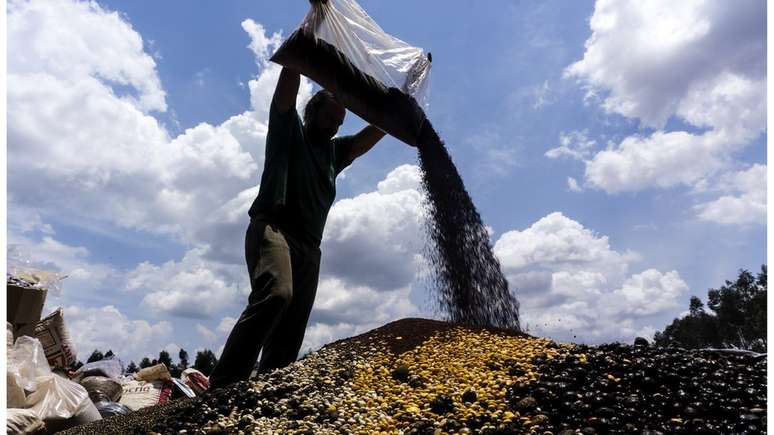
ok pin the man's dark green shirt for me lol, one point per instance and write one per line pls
(298, 184)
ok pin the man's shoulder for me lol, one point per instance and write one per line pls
(287, 116)
(284, 129)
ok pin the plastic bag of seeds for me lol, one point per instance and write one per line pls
(159, 371)
(15, 397)
(56, 397)
(23, 422)
(375, 75)
(101, 388)
(109, 409)
(110, 367)
(27, 362)
(85, 414)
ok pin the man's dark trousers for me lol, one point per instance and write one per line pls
(283, 278)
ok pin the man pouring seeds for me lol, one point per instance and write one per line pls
(282, 244)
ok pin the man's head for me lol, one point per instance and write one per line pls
(323, 116)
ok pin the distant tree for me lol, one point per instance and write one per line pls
(132, 367)
(205, 361)
(95, 356)
(145, 362)
(695, 306)
(176, 370)
(692, 331)
(183, 356)
(741, 309)
(76, 365)
(109, 353)
(165, 358)
(738, 317)
(757, 311)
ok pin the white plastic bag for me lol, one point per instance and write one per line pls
(52, 397)
(346, 26)
(27, 362)
(22, 271)
(9, 335)
(14, 393)
(86, 413)
(57, 397)
(373, 74)
(23, 422)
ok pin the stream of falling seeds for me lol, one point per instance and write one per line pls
(469, 283)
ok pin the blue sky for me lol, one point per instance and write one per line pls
(135, 144)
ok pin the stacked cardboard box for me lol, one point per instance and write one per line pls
(25, 305)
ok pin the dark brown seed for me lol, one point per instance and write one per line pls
(469, 284)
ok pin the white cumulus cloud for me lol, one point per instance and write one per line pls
(572, 285)
(744, 199)
(73, 40)
(575, 144)
(702, 63)
(191, 287)
(375, 238)
(106, 328)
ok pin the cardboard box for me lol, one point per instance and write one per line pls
(25, 306)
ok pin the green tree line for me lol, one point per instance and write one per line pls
(204, 362)
(735, 317)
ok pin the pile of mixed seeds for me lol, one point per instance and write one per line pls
(419, 376)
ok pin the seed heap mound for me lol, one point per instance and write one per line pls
(456, 381)
(419, 376)
(469, 282)
(616, 388)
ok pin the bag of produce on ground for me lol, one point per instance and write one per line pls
(109, 409)
(57, 397)
(195, 379)
(159, 371)
(141, 394)
(27, 362)
(102, 389)
(56, 342)
(14, 392)
(85, 414)
(23, 422)
(110, 367)
(61, 403)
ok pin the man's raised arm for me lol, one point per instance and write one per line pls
(286, 91)
(364, 140)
